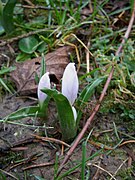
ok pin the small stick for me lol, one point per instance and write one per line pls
(3, 43)
(38, 165)
(119, 168)
(88, 58)
(9, 174)
(52, 139)
(12, 147)
(126, 142)
(112, 177)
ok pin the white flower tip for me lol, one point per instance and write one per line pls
(43, 83)
(70, 83)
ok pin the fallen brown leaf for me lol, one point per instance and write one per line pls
(24, 75)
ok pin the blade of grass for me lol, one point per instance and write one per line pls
(83, 160)
(116, 131)
(2, 176)
(84, 146)
(86, 94)
(56, 165)
(43, 66)
(5, 86)
(78, 165)
(24, 112)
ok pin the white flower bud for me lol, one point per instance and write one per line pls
(43, 83)
(70, 83)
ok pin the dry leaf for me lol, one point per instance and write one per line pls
(24, 75)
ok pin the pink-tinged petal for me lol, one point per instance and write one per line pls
(43, 83)
(74, 113)
(70, 83)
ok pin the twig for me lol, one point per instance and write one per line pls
(126, 142)
(27, 160)
(118, 169)
(9, 174)
(97, 173)
(38, 165)
(88, 58)
(23, 36)
(112, 177)
(128, 31)
(99, 145)
(41, 7)
(10, 147)
(90, 119)
(51, 139)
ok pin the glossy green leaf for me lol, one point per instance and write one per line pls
(86, 94)
(31, 111)
(28, 44)
(7, 16)
(66, 117)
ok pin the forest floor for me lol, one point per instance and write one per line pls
(26, 152)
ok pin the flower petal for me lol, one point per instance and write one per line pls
(74, 112)
(70, 83)
(43, 83)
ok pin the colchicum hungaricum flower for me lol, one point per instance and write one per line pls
(70, 86)
(43, 83)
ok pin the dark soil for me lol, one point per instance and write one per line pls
(20, 150)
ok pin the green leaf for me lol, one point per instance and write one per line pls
(43, 66)
(41, 48)
(30, 111)
(83, 171)
(86, 94)
(1, 13)
(84, 159)
(1, 9)
(66, 117)
(36, 78)
(7, 70)
(28, 44)
(88, 74)
(7, 16)
(21, 57)
(46, 40)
